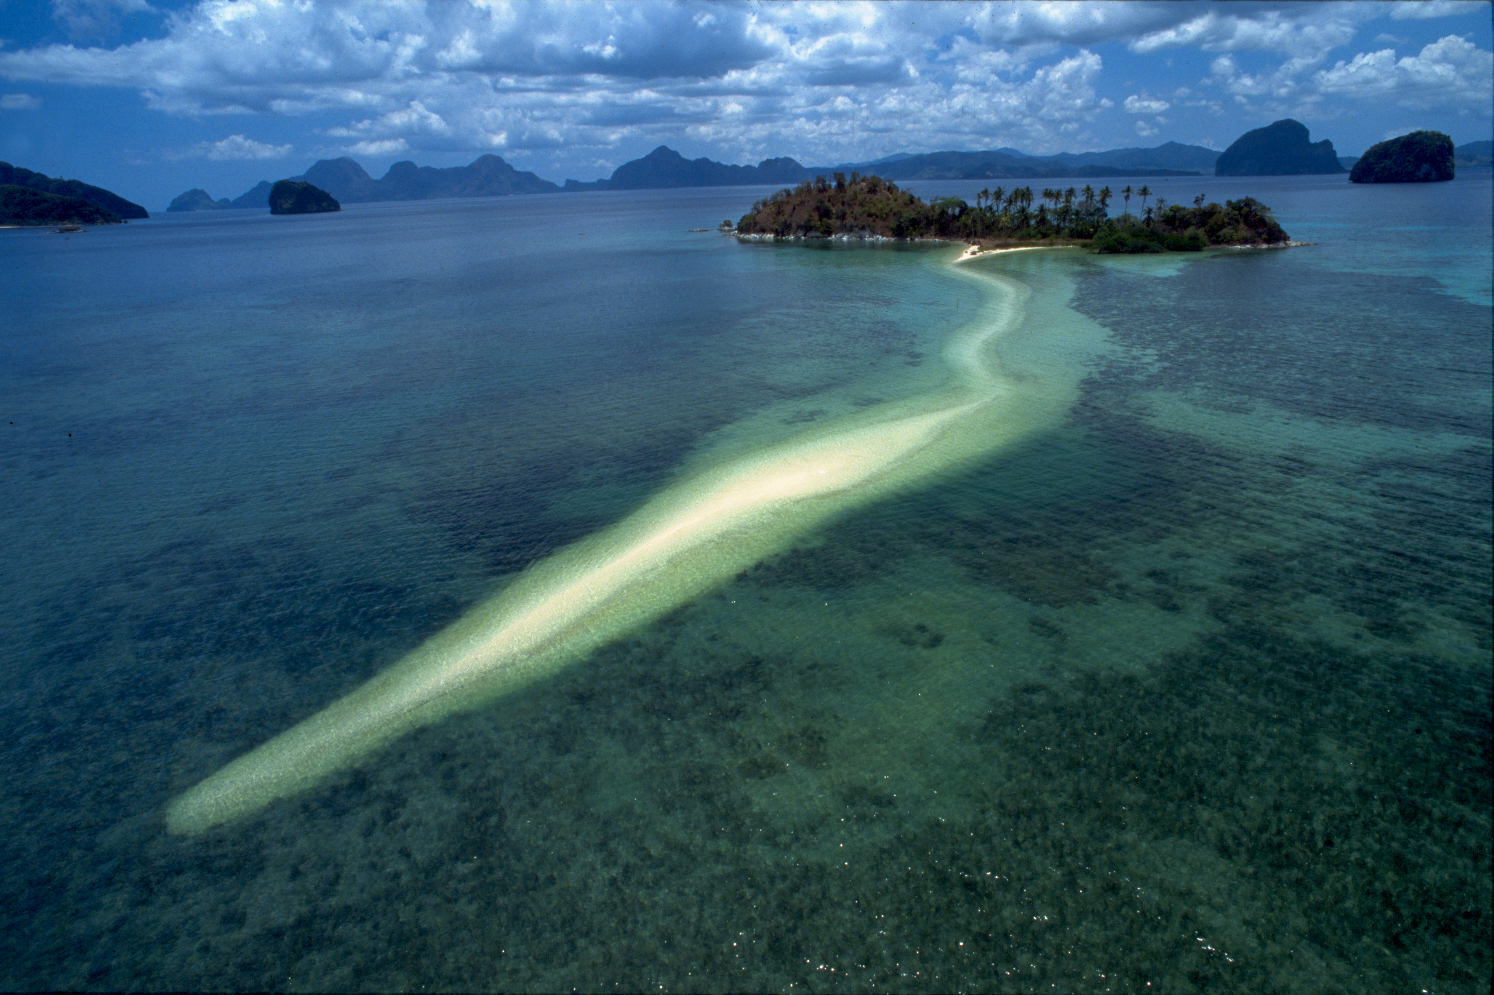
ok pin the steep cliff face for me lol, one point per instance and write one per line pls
(1279, 149)
(1420, 157)
(291, 197)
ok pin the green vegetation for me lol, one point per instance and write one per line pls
(97, 196)
(292, 197)
(1420, 157)
(868, 206)
(1180, 229)
(35, 208)
(861, 206)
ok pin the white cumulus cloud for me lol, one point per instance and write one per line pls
(1436, 8)
(238, 147)
(1297, 29)
(379, 147)
(1145, 105)
(1449, 70)
(821, 81)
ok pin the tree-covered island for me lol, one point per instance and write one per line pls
(23, 207)
(871, 207)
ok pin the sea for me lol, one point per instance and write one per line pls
(1175, 677)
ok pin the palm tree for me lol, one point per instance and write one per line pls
(1089, 194)
(1023, 196)
(1126, 193)
(1104, 198)
(1198, 201)
(1144, 193)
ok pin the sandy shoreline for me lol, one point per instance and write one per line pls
(975, 250)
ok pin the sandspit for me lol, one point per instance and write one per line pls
(688, 539)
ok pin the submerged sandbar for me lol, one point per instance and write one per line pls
(688, 539)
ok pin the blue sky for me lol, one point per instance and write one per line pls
(151, 97)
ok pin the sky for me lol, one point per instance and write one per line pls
(151, 97)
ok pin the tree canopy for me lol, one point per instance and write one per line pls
(869, 206)
(26, 207)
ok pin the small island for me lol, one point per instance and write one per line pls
(869, 207)
(292, 197)
(198, 199)
(1420, 157)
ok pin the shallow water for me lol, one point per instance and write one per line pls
(1189, 686)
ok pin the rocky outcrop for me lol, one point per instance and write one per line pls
(1279, 149)
(292, 197)
(1420, 157)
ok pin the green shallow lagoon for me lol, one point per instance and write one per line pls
(1190, 686)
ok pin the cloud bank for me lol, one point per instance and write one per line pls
(815, 80)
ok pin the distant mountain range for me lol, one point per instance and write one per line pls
(348, 182)
(664, 167)
(1279, 149)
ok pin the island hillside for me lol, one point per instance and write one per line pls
(485, 176)
(872, 207)
(1474, 154)
(197, 200)
(1420, 157)
(292, 197)
(24, 207)
(200, 200)
(1279, 149)
(97, 196)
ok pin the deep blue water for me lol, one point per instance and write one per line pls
(1189, 686)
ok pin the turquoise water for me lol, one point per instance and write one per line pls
(1187, 682)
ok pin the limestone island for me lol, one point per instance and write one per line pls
(1281, 148)
(869, 207)
(1420, 157)
(292, 197)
